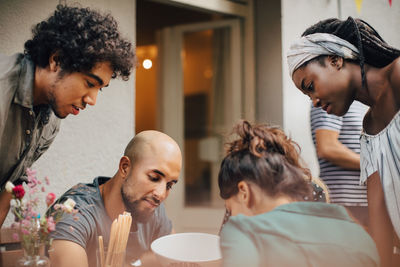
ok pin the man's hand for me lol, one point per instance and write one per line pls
(65, 253)
(5, 198)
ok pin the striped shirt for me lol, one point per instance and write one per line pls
(343, 184)
(381, 152)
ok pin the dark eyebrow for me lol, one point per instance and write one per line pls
(97, 78)
(163, 175)
(159, 172)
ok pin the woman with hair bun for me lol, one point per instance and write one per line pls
(336, 62)
(274, 221)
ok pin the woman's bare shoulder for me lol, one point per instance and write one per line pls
(394, 78)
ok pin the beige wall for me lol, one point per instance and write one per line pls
(91, 143)
(268, 45)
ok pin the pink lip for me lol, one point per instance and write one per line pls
(151, 203)
(75, 110)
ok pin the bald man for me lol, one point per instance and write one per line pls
(146, 173)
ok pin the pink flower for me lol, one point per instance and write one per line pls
(31, 173)
(51, 226)
(25, 223)
(47, 180)
(50, 199)
(18, 191)
(28, 221)
(33, 182)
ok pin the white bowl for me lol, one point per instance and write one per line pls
(188, 250)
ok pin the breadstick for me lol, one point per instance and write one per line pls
(101, 249)
(119, 236)
(117, 242)
(112, 242)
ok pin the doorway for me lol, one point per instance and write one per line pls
(188, 85)
(151, 18)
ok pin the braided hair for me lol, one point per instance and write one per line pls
(264, 156)
(373, 49)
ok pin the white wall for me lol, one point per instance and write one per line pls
(91, 143)
(378, 14)
(297, 15)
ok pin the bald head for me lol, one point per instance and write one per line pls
(148, 170)
(151, 143)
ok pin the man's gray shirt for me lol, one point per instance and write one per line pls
(92, 221)
(25, 132)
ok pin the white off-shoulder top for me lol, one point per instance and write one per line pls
(381, 152)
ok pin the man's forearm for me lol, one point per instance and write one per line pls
(342, 156)
(5, 198)
(331, 149)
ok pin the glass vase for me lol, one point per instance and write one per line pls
(34, 255)
(33, 247)
(34, 261)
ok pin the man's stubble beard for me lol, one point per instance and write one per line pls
(51, 98)
(132, 207)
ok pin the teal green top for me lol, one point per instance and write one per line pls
(297, 234)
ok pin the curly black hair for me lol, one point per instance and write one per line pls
(80, 38)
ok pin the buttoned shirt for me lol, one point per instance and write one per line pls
(26, 132)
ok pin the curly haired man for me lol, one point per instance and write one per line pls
(71, 56)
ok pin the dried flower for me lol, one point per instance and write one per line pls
(9, 187)
(51, 225)
(50, 199)
(69, 205)
(18, 191)
(33, 228)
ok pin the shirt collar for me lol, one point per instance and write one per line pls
(24, 94)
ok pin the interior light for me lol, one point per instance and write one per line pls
(147, 64)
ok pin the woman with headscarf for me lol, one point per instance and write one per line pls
(336, 62)
(274, 220)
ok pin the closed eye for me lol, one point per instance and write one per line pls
(154, 178)
(89, 84)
